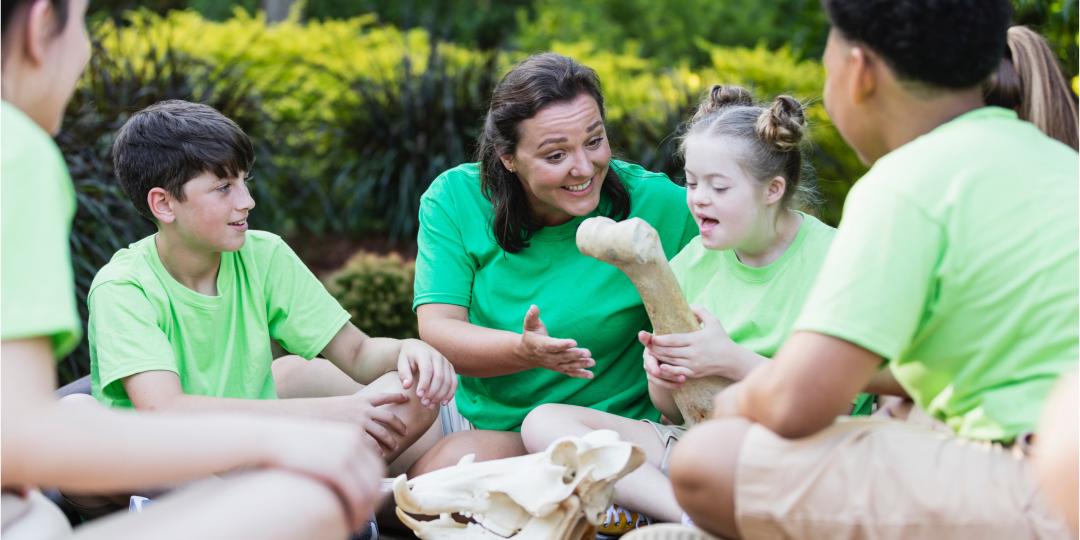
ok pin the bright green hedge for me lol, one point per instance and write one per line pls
(352, 121)
(329, 85)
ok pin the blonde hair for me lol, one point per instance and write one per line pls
(1029, 81)
(774, 135)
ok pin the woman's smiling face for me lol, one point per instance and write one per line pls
(561, 158)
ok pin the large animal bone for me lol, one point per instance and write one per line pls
(561, 493)
(634, 247)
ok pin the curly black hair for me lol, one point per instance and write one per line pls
(950, 44)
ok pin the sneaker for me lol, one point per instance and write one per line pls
(669, 531)
(620, 521)
(137, 503)
(368, 532)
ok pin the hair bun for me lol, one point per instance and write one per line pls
(781, 125)
(721, 96)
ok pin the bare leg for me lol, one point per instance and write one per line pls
(297, 378)
(1056, 449)
(703, 473)
(266, 505)
(38, 518)
(487, 445)
(646, 489)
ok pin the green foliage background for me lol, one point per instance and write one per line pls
(355, 106)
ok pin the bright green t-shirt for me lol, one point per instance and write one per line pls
(142, 319)
(38, 203)
(957, 261)
(460, 263)
(758, 305)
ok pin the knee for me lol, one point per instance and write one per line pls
(313, 503)
(537, 428)
(704, 459)
(284, 369)
(79, 400)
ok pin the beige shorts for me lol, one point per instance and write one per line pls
(668, 435)
(880, 478)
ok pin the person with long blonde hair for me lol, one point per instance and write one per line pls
(1029, 81)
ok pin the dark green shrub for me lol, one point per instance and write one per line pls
(404, 133)
(377, 291)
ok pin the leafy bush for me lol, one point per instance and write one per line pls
(377, 291)
(673, 33)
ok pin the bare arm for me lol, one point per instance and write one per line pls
(366, 358)
(810, 382)
(160, 391)
(96, 449)
(483, 352)
(884, 383)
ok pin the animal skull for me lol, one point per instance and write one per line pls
(558, 494)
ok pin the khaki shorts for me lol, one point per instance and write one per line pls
(880, 478)
(668, 435)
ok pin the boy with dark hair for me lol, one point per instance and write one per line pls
(953, 280)
(183, 320)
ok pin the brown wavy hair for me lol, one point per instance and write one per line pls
(535, 83)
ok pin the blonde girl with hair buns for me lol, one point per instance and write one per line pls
(746, 276)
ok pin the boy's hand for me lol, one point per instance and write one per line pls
(337, 456)
(435, 378)
(541, 350)
(383, 428)
(705, 352)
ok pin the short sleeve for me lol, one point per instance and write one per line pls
(38, 284)
(444, 270)
(303, 316)
(877, 281)
(125, 338)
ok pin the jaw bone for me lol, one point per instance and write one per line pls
(559, 494)
(634, 247)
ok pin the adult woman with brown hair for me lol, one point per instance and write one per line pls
(497, 248)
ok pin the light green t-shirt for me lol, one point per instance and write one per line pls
(579, 297)
(38, 203)
(142, 319)
(758, 305)
(957, 262)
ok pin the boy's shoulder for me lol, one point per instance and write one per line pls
(140, 265)
(131, 265)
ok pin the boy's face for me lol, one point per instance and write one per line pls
(213, 215)
(842, 70)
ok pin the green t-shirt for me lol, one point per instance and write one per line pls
(579, 297)
(957, 261)
(142, 319)
(758, 305)
(38, 203)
